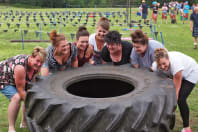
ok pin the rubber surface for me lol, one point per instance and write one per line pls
(149, 107)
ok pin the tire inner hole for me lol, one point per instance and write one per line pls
(100, 88)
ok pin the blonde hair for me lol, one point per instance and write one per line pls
(160, 53)
(56, 38)
(104, 23)
(39, 51)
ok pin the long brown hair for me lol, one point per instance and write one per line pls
(82, 31)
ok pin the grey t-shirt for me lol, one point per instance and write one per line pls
(148, 59)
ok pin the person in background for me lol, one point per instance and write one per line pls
(167, 4)
(60, 55)
(184, 71)
(142, 55)
(85, 50)
(15, 75)
(139, 13)
(164, 13)
(178, 7)
(116, 51)
(97, 39)
(155, 12)
(144, 11)
(194, 25)
(186, 11)
(173, 14)
(193, 7)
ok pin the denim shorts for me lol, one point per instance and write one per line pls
(144, 16)
(9, 91)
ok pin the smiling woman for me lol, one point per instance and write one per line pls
(85, 50)
(142, 55)
(184, 72)
(116, 51)
(97, 39)
(60, 55)
(15, 75)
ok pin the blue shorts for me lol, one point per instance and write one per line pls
(144, 16)
(9, 91)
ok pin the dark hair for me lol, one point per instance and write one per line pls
(82, 31)
(139, 37)
(55, 38)
(113, 37)
(104, 23)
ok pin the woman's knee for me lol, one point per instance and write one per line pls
(181, 100)
(16, 98)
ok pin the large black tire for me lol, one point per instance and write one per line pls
(102, 99)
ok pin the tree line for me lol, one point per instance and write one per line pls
(87, 3)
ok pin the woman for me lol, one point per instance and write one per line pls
(142, 55)
(173, 14)
(15, 75)
(184, 71)
(97, 39)
(85, 51)
(155, 9)
(116, 51)
(60, 55)
(164, 13)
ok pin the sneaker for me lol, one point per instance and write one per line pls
(184, 130)
(23, 125)
(12, 131)
(195, 47)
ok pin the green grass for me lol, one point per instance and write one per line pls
(177, 37)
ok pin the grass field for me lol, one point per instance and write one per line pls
(177, 37)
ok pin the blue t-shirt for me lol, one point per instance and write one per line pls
(148, 59)
(186, 8)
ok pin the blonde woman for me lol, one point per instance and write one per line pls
(15, 74)
(97, 39)
(184, 71)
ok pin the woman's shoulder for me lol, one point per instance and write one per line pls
(50, 48)
(92, 35)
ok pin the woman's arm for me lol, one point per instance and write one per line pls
(191, 25)
(177, 80)
(89, 51)
(19, 76)
(74, 62)
(44, 71)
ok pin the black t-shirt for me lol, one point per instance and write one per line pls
(194, 18)
(126, 51)
(144, 9)
(155, 9)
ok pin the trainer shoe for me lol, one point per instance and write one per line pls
(23, 125)
(12, 131)
(184, 130)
